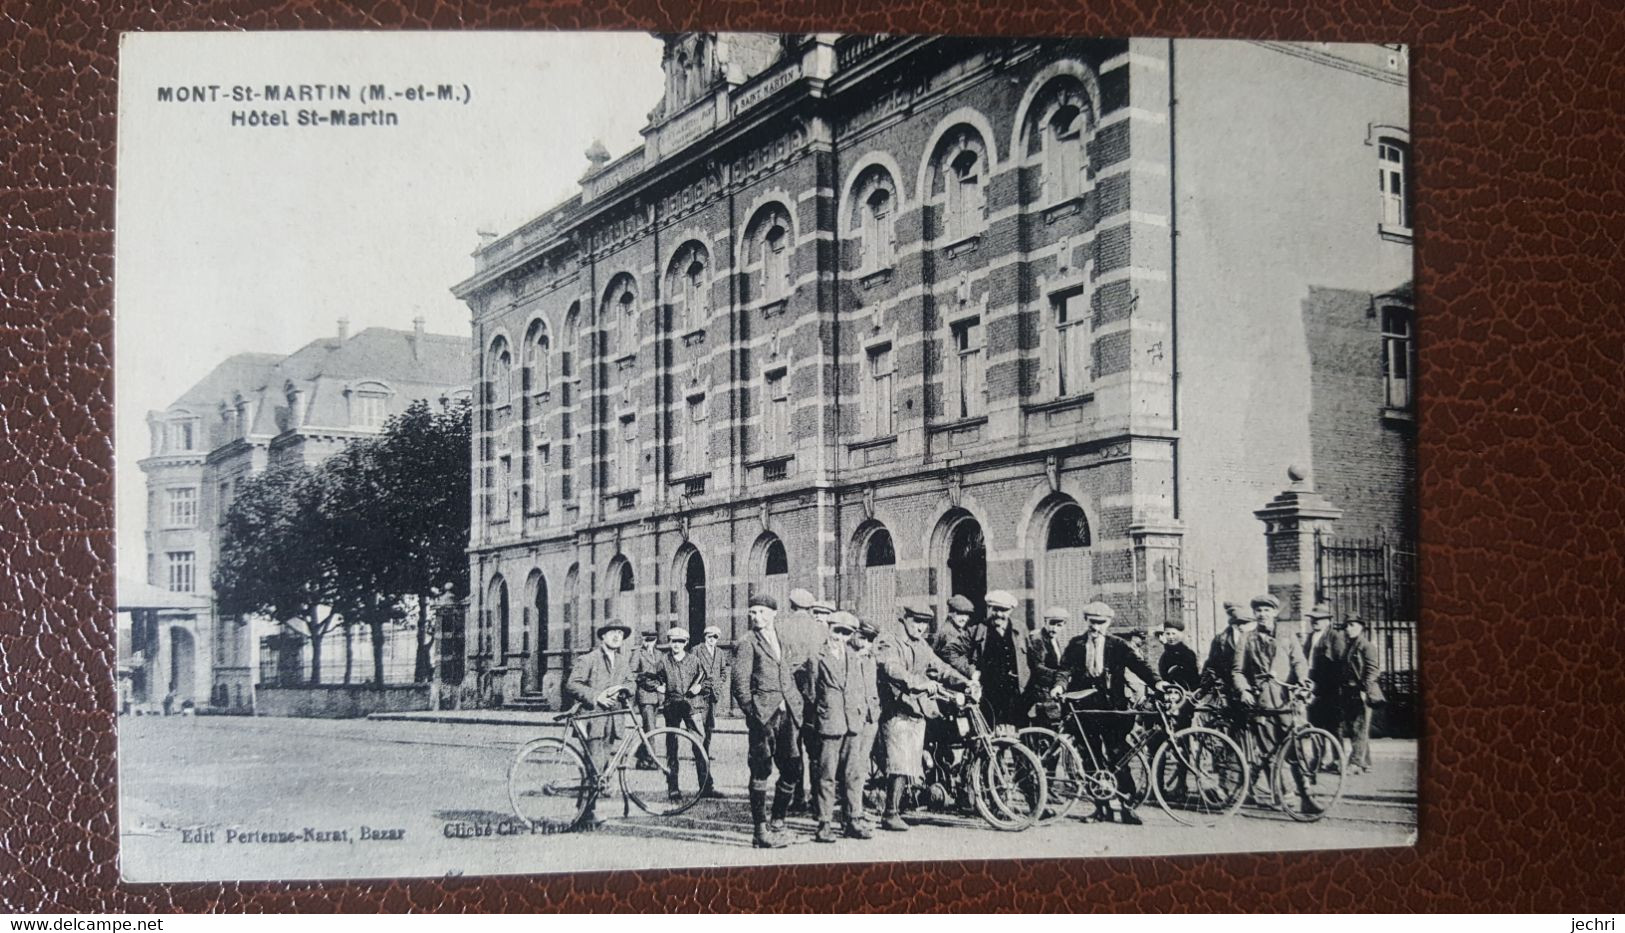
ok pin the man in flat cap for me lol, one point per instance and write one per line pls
(1044, 650)
(1098, 664)
(1360, 692)
(714, 680)
(999, 650)
(840, 713)
(910, 676)
(682, 679)
(1324, 647)
(1223, 664)
(804, 627)
(646, 662)
(767, 691)
(955, 641)
(599, 679)
(1288, 665)
(854, 777)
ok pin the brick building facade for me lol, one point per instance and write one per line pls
(903, 317)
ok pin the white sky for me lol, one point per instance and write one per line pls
(237, 239)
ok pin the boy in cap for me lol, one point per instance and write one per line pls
(1044, 650)
(1361, 692)
(714, 674)
(682, 679)
(766, 690)
(839, 715)
(863, 692)
(910, 673)
(1178, 662)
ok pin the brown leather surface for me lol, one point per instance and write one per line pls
(1518, 139)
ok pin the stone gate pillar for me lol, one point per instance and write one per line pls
(1291, 521)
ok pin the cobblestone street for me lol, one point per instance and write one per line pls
(360, 798)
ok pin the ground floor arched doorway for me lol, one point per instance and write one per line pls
(967, 561)
(692, 611)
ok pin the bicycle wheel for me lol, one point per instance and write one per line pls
(1063, 770)
(1307, 774)
(1199, 776)
(681, 773)
(550, 784)
(1008, 786)
(1137, 769)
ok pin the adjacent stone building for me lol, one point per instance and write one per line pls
(893, 317)
(255, 412)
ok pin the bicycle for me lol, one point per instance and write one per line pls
(994, 774)
(1305, 765)
(1199, 775)
(553, 782)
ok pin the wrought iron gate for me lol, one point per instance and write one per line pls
(1376, 580)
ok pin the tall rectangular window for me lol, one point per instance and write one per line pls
(182, 435)
(539, 476)
(223, 505)
(1393, 179)
(696, 455)
(1398, 356)
(775, 413)
(626, 460)
(567, 479)
(1071, 357)
(182, 507)
(371, 410)
(182, 571)
(878, 401)
(967, 391)
(504, 488)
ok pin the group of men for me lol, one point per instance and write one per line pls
(821, 686)
(1254, 665)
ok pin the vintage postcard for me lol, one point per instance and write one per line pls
(553, 452)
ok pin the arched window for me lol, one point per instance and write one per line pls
(1067, 572)
(1057, 133)
(770, 248)
(959, 182)
(874, 209)
(776, 264)
(689, 286)
(626, 323)
(538, 358)
(567, 350)
(878, 599)
(622, 585)
(773, 570)
(1063, 154)
(499, 373)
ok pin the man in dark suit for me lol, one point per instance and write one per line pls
(767, 691)
(1360, 692)
(1097, 665)
(1324, 647)
(1001, 664)
(682, 680)
(599, 679)
(1222, 668)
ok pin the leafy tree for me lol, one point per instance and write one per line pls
(273, 560)
(424, 455)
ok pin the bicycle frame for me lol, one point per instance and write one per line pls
(631, 738)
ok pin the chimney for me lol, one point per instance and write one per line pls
(344, 329)
(417, 337)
